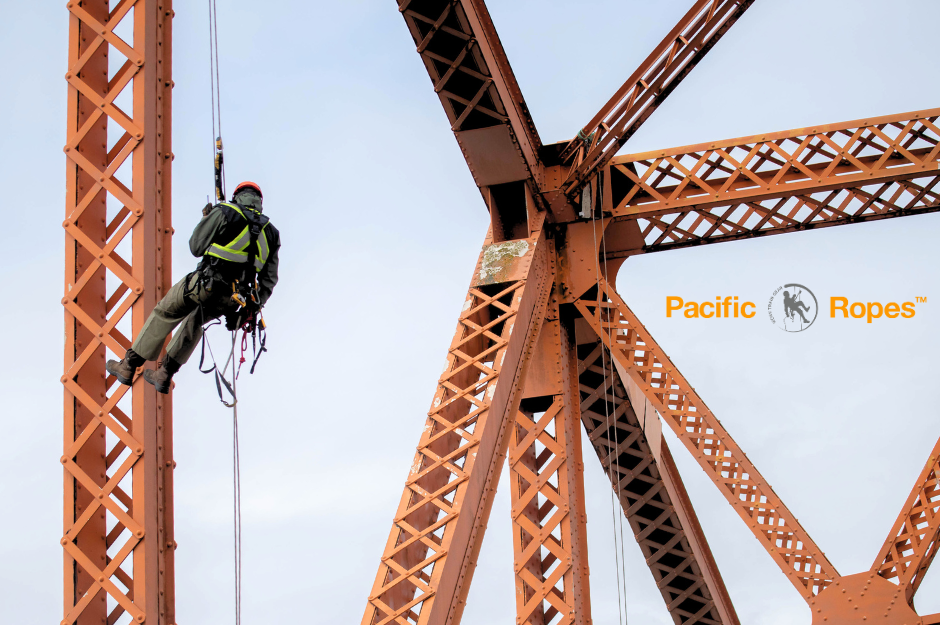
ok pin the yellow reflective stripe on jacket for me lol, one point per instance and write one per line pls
(235, 252)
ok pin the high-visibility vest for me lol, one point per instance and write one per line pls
(237, 250)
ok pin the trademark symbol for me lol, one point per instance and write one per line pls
(921, 300)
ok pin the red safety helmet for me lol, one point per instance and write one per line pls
(247, 185)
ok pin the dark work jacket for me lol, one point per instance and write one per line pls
(221, 226)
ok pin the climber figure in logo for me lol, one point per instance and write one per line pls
(792, 306)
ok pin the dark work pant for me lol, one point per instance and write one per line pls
(181, 307)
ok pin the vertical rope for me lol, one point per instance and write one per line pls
(215, 85)
(614, 395)
(237, 490)
(614, 498)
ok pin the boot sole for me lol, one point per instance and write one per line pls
(120, 378)
(165, 390)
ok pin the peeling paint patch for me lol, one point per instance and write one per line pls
(498, 258)
(490, 391)
(467, 304)
(437, 402)
(416, 467)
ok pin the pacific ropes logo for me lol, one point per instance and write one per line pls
(792, 308)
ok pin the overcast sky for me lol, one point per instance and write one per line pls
(329, 108)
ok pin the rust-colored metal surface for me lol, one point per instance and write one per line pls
(628, 441)
(431, 551)
(117, 449)
(706, 439)
(588, 210)
(652, 82)
(779, 182)
(915, 537)
(547, 491)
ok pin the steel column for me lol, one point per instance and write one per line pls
(547, 488)
(118, 523)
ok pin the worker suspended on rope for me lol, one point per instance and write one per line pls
(235, 278)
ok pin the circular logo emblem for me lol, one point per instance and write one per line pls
(792, 308)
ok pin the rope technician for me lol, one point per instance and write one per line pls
(235, 278)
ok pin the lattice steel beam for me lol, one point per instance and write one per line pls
(914, 540)
(474, 81)
(765, 514)
(642, 475)
(118, 515)
(766, 184)
(652, 82)
(431, 551)
(547, 493)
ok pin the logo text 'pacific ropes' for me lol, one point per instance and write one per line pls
(730, 306)
(871, 310)
(792, 308)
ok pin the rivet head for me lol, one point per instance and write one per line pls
(140, 618)
(63, 460)
(65, 301)
(139, 450)
(63, 379)
(138, 290)
(100, 495)
(64, 541)
(139, 533)
(101, 579)
(65, 224)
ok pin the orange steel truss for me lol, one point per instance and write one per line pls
(543, 341)
(563, 218)
(118, 447)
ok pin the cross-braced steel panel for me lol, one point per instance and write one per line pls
(625, 452)
(118, 516)
(915, 537)
(683, 410)
(547, 494)
(649, 85)
(432, 548)
(780, 182)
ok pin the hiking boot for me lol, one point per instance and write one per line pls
(162, 375)
(125, 368)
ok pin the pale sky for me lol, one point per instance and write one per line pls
(329, 108)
